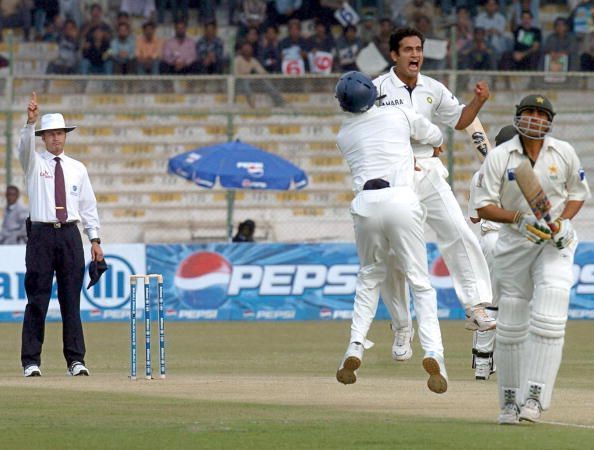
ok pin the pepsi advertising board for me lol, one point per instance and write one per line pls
(247, 282)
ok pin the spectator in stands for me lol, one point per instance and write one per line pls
(16, 14)
(587, 53)
(123, 17)
(246, 64)
(67, 61)
(321, 10)
(71, 9)
(207, 11)
(139, 8)
(424, 24)
(245, 231)
(253, 14)
(382, 38)
(477, 54)
(294, 46)
(179, 52)
(397, 12)
(348, 47)
(13, 226)
(44, 11)
(209, 50)
(282, 11)
(369, 29)
(149, 50)
(518, 6)
(464, 28)
(581, 18)
(526, 52)
(96, 54)
(321, 40)
(96, 20)
(495, 24)
(415, 8)
(53, 29)
(123, 51)
(179, 9)
(561, 43)
(253, 37)
(268, 51)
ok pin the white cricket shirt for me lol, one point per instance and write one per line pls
(39, 171)
(557, 167)
(376, 144)
(430, 98)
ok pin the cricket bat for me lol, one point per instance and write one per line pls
(479, 138)
(533, 193)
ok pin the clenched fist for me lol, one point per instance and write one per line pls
(481, 91)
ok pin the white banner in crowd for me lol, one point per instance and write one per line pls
(320, 62)
(293, 66)
(346, 15)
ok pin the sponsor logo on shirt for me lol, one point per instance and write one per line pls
(511, 174)
(394, 102)
(45, 174)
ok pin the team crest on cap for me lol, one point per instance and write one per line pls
(539, 99)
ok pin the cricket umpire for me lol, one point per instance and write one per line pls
(60, 196)
(533, 270)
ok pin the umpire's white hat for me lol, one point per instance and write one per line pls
(53, 122)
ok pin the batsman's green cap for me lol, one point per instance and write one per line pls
(536, 101)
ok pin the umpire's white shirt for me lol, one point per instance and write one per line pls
(430, 98)
(376, 144)
(557, 167)
(39, 170)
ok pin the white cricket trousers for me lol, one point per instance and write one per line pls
(391, 219)
(534, 283)
(457, 243)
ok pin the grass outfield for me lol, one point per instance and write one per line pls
(271, 385)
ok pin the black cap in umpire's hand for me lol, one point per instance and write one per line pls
(96, 269)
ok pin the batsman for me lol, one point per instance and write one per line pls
(533, 266)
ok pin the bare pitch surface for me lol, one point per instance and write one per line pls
(271, 385)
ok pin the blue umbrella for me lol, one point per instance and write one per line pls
(237, 165)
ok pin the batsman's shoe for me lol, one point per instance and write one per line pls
(32, 371)
(482, 368)
(346, 373)
(531, 410)
(478, 319)
(509, 414)
(77, 369)
(438, 377)
(401, 348)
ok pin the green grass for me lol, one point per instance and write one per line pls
(55, 412)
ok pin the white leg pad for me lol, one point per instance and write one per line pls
(545, 344)
(484, 341)
(511, 338)
(366, 299)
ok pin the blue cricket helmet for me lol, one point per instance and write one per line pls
(355, 92)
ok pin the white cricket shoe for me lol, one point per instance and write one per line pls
(401, 348)
(32, 371)
(531, 410)
(77, 369)
(351, 361)
(509, 415)
(482, 368)
(438, 378)
(478, 319)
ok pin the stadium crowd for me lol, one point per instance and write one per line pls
(124, 36)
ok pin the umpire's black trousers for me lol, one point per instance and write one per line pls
(50, 250)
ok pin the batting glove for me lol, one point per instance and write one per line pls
(565, 234)
(533, 229)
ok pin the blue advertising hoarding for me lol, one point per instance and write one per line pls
(249, 282)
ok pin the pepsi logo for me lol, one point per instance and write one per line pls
(255, 169)
(440, 275)
(202, 280)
